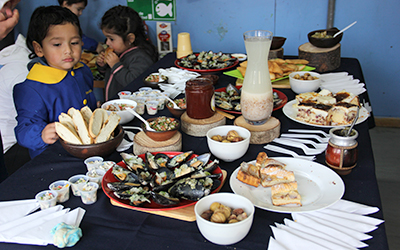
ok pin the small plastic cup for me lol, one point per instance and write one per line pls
(141, 93)
(93, 162)
(47, 198)
(152, 107)
(88, 192)
(96, 176)
(76, 181)
(140, 104)
(145, 89)
(156, 92)
(124, 94)
(151, 97)
(106, 165)
(161, 102)
(62, 188)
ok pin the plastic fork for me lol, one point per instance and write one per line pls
(310, 132)
(319, 138)
(141, 118)
(307, 150)
(305, 141)
(288, 152)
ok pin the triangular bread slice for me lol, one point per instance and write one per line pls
(86, 113)
(109, 127)
(66, 134)
(81, 127)
(96, 122)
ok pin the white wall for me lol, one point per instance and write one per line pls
(218, 25)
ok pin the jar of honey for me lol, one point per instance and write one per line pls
(342, 153)
(199, 98)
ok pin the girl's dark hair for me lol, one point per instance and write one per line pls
(71, 2)
(122, 20)
(41, 20)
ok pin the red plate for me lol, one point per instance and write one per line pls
(281, 96)
(109, 177)
(206, 70)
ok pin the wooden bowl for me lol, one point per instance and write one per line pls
(152, 84)
(325, 42)
(176, 112)
(160, 135)
(99, 149)
(277, 42)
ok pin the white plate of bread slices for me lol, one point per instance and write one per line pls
(307, 186)
(325, 109)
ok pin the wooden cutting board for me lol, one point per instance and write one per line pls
(185, 214)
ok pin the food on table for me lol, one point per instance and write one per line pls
(118, 107)
(62, 188)
(106, 165)
(163, 180)
(89, 193)
(322, 34)
(285, 194)
(46, 196)
(74, 128)
(271, 173)
(164, 123)
(155, 78)
(46, 199)
(305, 76)
(220, 213)
(181, 102)
(80, 180)
(108, 50)
(278, 67)
(89, 59)
(152, 107)
(231, 136)
(207, 60)
(326, 108)
(230, 99)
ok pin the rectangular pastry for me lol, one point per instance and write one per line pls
(285, 194)
(342, 113)
(319, 114)
(248, 179)
(275, 175)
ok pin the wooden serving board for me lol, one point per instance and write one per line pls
(185, 214)
(200, 127)
(261, 134)
(143, 143)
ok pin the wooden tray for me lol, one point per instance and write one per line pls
(185, 214)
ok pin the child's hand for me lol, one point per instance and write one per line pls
(100, 59)
(49, 134)
(111, 59)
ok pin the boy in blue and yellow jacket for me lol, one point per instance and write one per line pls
(56, 81)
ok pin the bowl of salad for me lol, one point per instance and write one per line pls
(120, 106)
(181, 102)
(165, 128)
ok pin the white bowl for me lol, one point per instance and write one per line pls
(224, 234)
(125, 115)
(303, 86)
(228, 151)
(239, 56)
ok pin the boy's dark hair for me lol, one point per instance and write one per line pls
(71, 2)
(122, 20)
(41, 20)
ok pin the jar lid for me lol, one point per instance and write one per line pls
(199, 82)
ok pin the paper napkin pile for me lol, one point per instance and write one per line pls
(19, 225)
(176, 80)
(344, 225)
(339, 81)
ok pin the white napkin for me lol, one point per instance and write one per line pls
(336, 82)
(342, 225)
(317, 240)
(274, 245)
(34, 229)
(317, 233)
(16, 209)
(177, 80)
(125, 144)
(293, 242)
(353, 207)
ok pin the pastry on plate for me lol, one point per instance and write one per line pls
(285, 194)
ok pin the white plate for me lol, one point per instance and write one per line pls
(318, 185)
(291, 113)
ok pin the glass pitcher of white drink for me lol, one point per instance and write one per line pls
(256, 95)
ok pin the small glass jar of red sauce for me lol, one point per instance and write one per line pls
(199, 98)
(342, 153)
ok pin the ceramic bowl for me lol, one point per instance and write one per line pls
(277, 42)
(125, 115)
(175, 112)
(325, 42)
(241, 57)
(228, 151)
(99, 149)
(303, 86)
(160, 135)
(224, 234)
